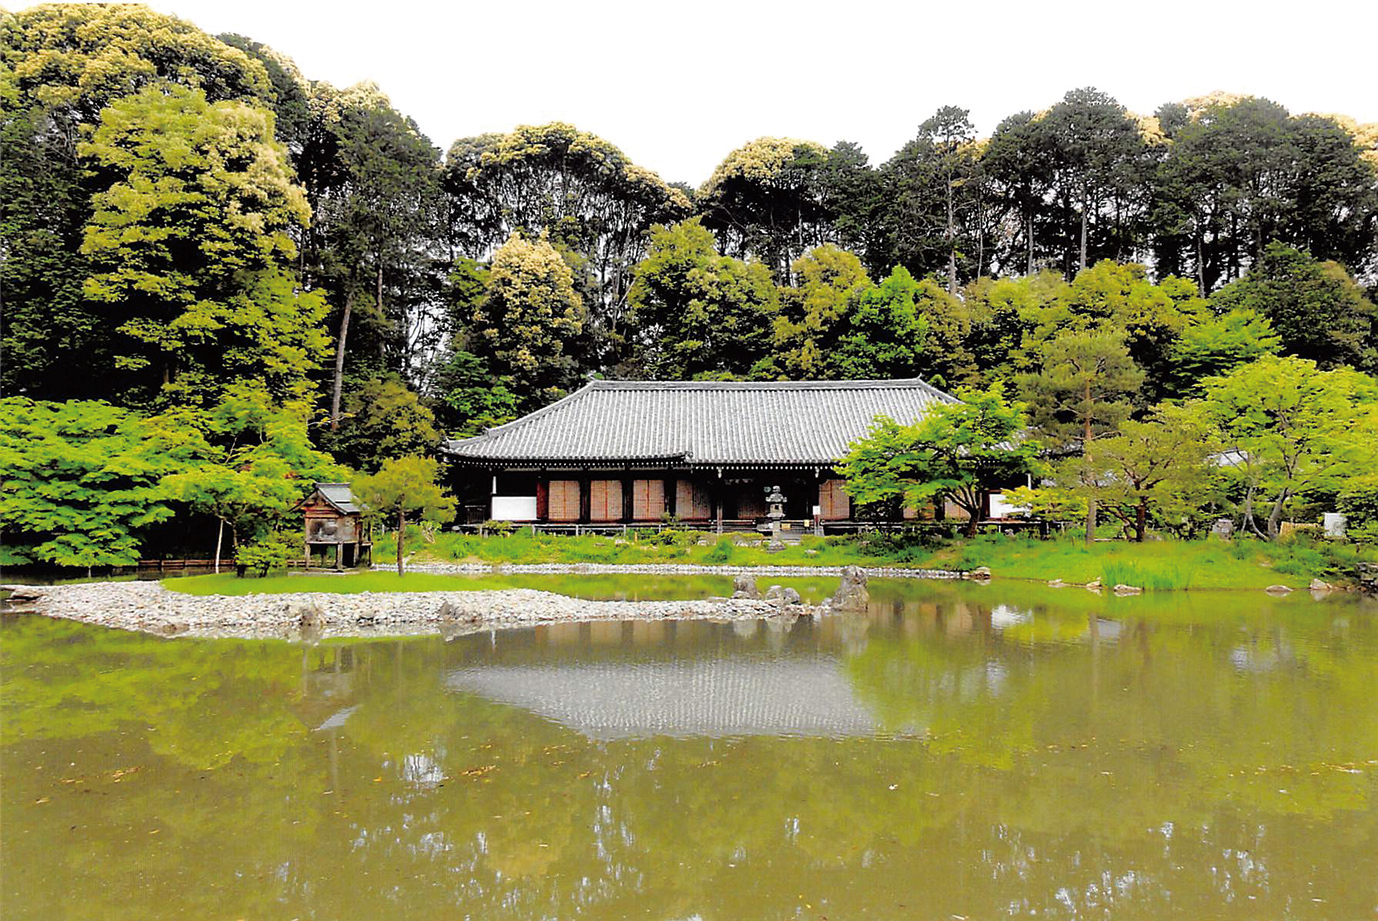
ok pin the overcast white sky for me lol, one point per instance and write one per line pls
(678, 85)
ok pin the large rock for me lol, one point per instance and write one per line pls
(744, 586)
(306, 614)
(852, 594)
(1320, 585)
(981, 573)
(781, 595)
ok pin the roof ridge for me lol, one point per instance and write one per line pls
(867, 384)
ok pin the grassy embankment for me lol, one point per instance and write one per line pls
(1154, 566)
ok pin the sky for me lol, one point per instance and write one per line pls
(677, 86)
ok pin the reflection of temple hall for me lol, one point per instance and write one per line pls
(702, 453)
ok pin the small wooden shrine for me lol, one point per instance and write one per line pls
(333, 520)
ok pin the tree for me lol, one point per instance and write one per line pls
(765, 199)
(60, 65)
(883, 334)
(1101, 164)
(402, 486)
(526, 320)
(577, 188)
(955, 453)
(257, 465)
(191, 251)
(374, 184)
(1161, 462)
(466, 397)
(697, 313)
(1241, 173)
(1217, 345)
(1082, 392)
(383, 419)
(1291, 429)
(814, 314)
(933, 189)
(1316, 309)
(80, 480)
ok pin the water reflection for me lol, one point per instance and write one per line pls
(956, 750)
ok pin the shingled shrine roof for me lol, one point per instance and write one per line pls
(340, 496)
(702, 422)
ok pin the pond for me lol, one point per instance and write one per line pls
(958, 751)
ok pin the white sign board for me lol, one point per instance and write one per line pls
(514, 508)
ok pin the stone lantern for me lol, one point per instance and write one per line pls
(775, 501)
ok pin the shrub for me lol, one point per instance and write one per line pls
(269, 553)
(722, 551)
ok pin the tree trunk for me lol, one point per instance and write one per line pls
(401, 533)
(1275, 516)
(219, 535)
(1028, 263)
(1081, 262)
(339, 361)
(951, 242)
(1086, 461)
(1141, 522)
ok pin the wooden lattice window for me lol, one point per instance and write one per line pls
(648, 499)
(691, 501)
(833, 502)
(605, 500)
(564, 500)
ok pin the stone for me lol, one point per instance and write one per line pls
(1278, 590)
(775, 546)
(306, 615)
(744, 586)
(1093, 586)
(852, 594)
(810, 552)
(1223, 529)
(981, 572)
(1057, 583)
(1320, 585)
(1123, 589)
(782, 595)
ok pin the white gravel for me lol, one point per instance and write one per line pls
(309, 616)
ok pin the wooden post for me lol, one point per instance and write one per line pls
(585, 499)
(628, 506)
(717, 500)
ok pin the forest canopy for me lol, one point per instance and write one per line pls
(188, 218)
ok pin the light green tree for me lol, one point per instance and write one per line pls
(79, 480)
(527, 322)
(383, 418)
(813, 313)
(956, 452)
(190, 246)
(403, 486)
(1292, 429)
(1159, 464)
(257, 465)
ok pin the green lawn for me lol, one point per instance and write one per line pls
(1154, 566)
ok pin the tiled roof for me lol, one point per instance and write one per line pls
(703, 422)
(339, 495)
(716, 697)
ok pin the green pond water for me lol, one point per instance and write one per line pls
(956, 752)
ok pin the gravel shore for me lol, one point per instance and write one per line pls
(310, 616)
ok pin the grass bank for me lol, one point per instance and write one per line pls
(1154, 566)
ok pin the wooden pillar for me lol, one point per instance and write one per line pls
(717, 500)
(585, 499)
(627, 505)
(671, 496)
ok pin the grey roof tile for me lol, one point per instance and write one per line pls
(703, 422)
(339, 495)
